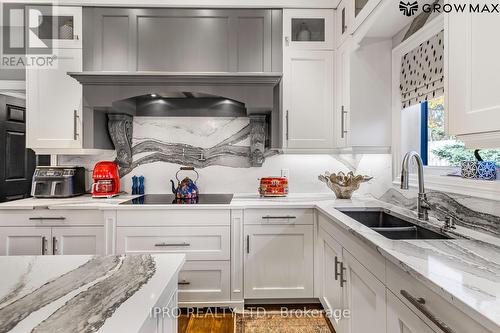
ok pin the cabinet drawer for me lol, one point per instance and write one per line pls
(49, 217)
(198, 243)
(279, 216)
(159, 218)
(398, 280)
(204, 281)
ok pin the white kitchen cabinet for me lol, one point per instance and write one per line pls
(59, 27)
(330, 256)
(308, 99)
(363, 96)
(54, 104)
(78, 240)
(365, 296)
(343, 97)
(25, 241)
(400, 319)
(472, 79)
(198, 243)
(343, 21)
(308, 29)
(45, 240)
(204, 281)
(278, 261)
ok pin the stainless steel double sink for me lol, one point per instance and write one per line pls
(391, 225)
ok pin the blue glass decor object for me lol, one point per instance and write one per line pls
(141, 185)
(135, 185)
(487, 170)
(469, 169)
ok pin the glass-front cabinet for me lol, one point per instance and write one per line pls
(57, 27)
(310, 29)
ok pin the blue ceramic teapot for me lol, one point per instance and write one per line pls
(187, 188)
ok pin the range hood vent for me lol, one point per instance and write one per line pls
(177, 78)
(181, 104)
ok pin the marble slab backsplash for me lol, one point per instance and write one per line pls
(482, 215)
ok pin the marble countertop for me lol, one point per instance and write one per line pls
(83, 293)
(465, 271)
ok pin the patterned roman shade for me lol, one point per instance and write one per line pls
(422, 75)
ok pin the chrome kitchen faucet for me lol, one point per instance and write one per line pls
(422, 203)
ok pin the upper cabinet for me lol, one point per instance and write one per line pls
(182, 40)
(472, 79)
(308, 79)
(60, 27)
(308, 29)
(55, 120)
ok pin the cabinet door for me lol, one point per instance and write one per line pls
(308, 29)
(343, 91)
(330, 254)
(25, 241)
(54, 103)
(57, 26)
(472, 76)
(365, 296)
(401, 320)
(308, 81)
(278, 261)
(343, 21)
(78, 240)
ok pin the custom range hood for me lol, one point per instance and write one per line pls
(175, 94)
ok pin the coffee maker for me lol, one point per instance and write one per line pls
(106, 180)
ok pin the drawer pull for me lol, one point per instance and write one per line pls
(419, 303)
(41, 218)
(44, 245)
(54, 246)
(184, 283)
(172, 244)
(269, 217)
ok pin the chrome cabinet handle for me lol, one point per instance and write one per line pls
(172, 244)
(57, 218)
(75, 124)
(287, 41)
(339, 273)
(54, 246)
(184, 283)
(76, 37)
(286, 124)
(248, 244)
(343, 113)
(269, 217)
(419, 303)
(44, 245)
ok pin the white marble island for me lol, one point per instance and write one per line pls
(88, 293)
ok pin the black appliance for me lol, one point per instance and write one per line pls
(170, 199)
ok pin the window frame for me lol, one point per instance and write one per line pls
(435, 177)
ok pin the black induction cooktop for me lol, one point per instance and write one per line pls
(169, 199)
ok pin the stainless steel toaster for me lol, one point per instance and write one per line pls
(58, 182)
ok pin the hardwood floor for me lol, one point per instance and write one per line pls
(222, 321)
(210, 321)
